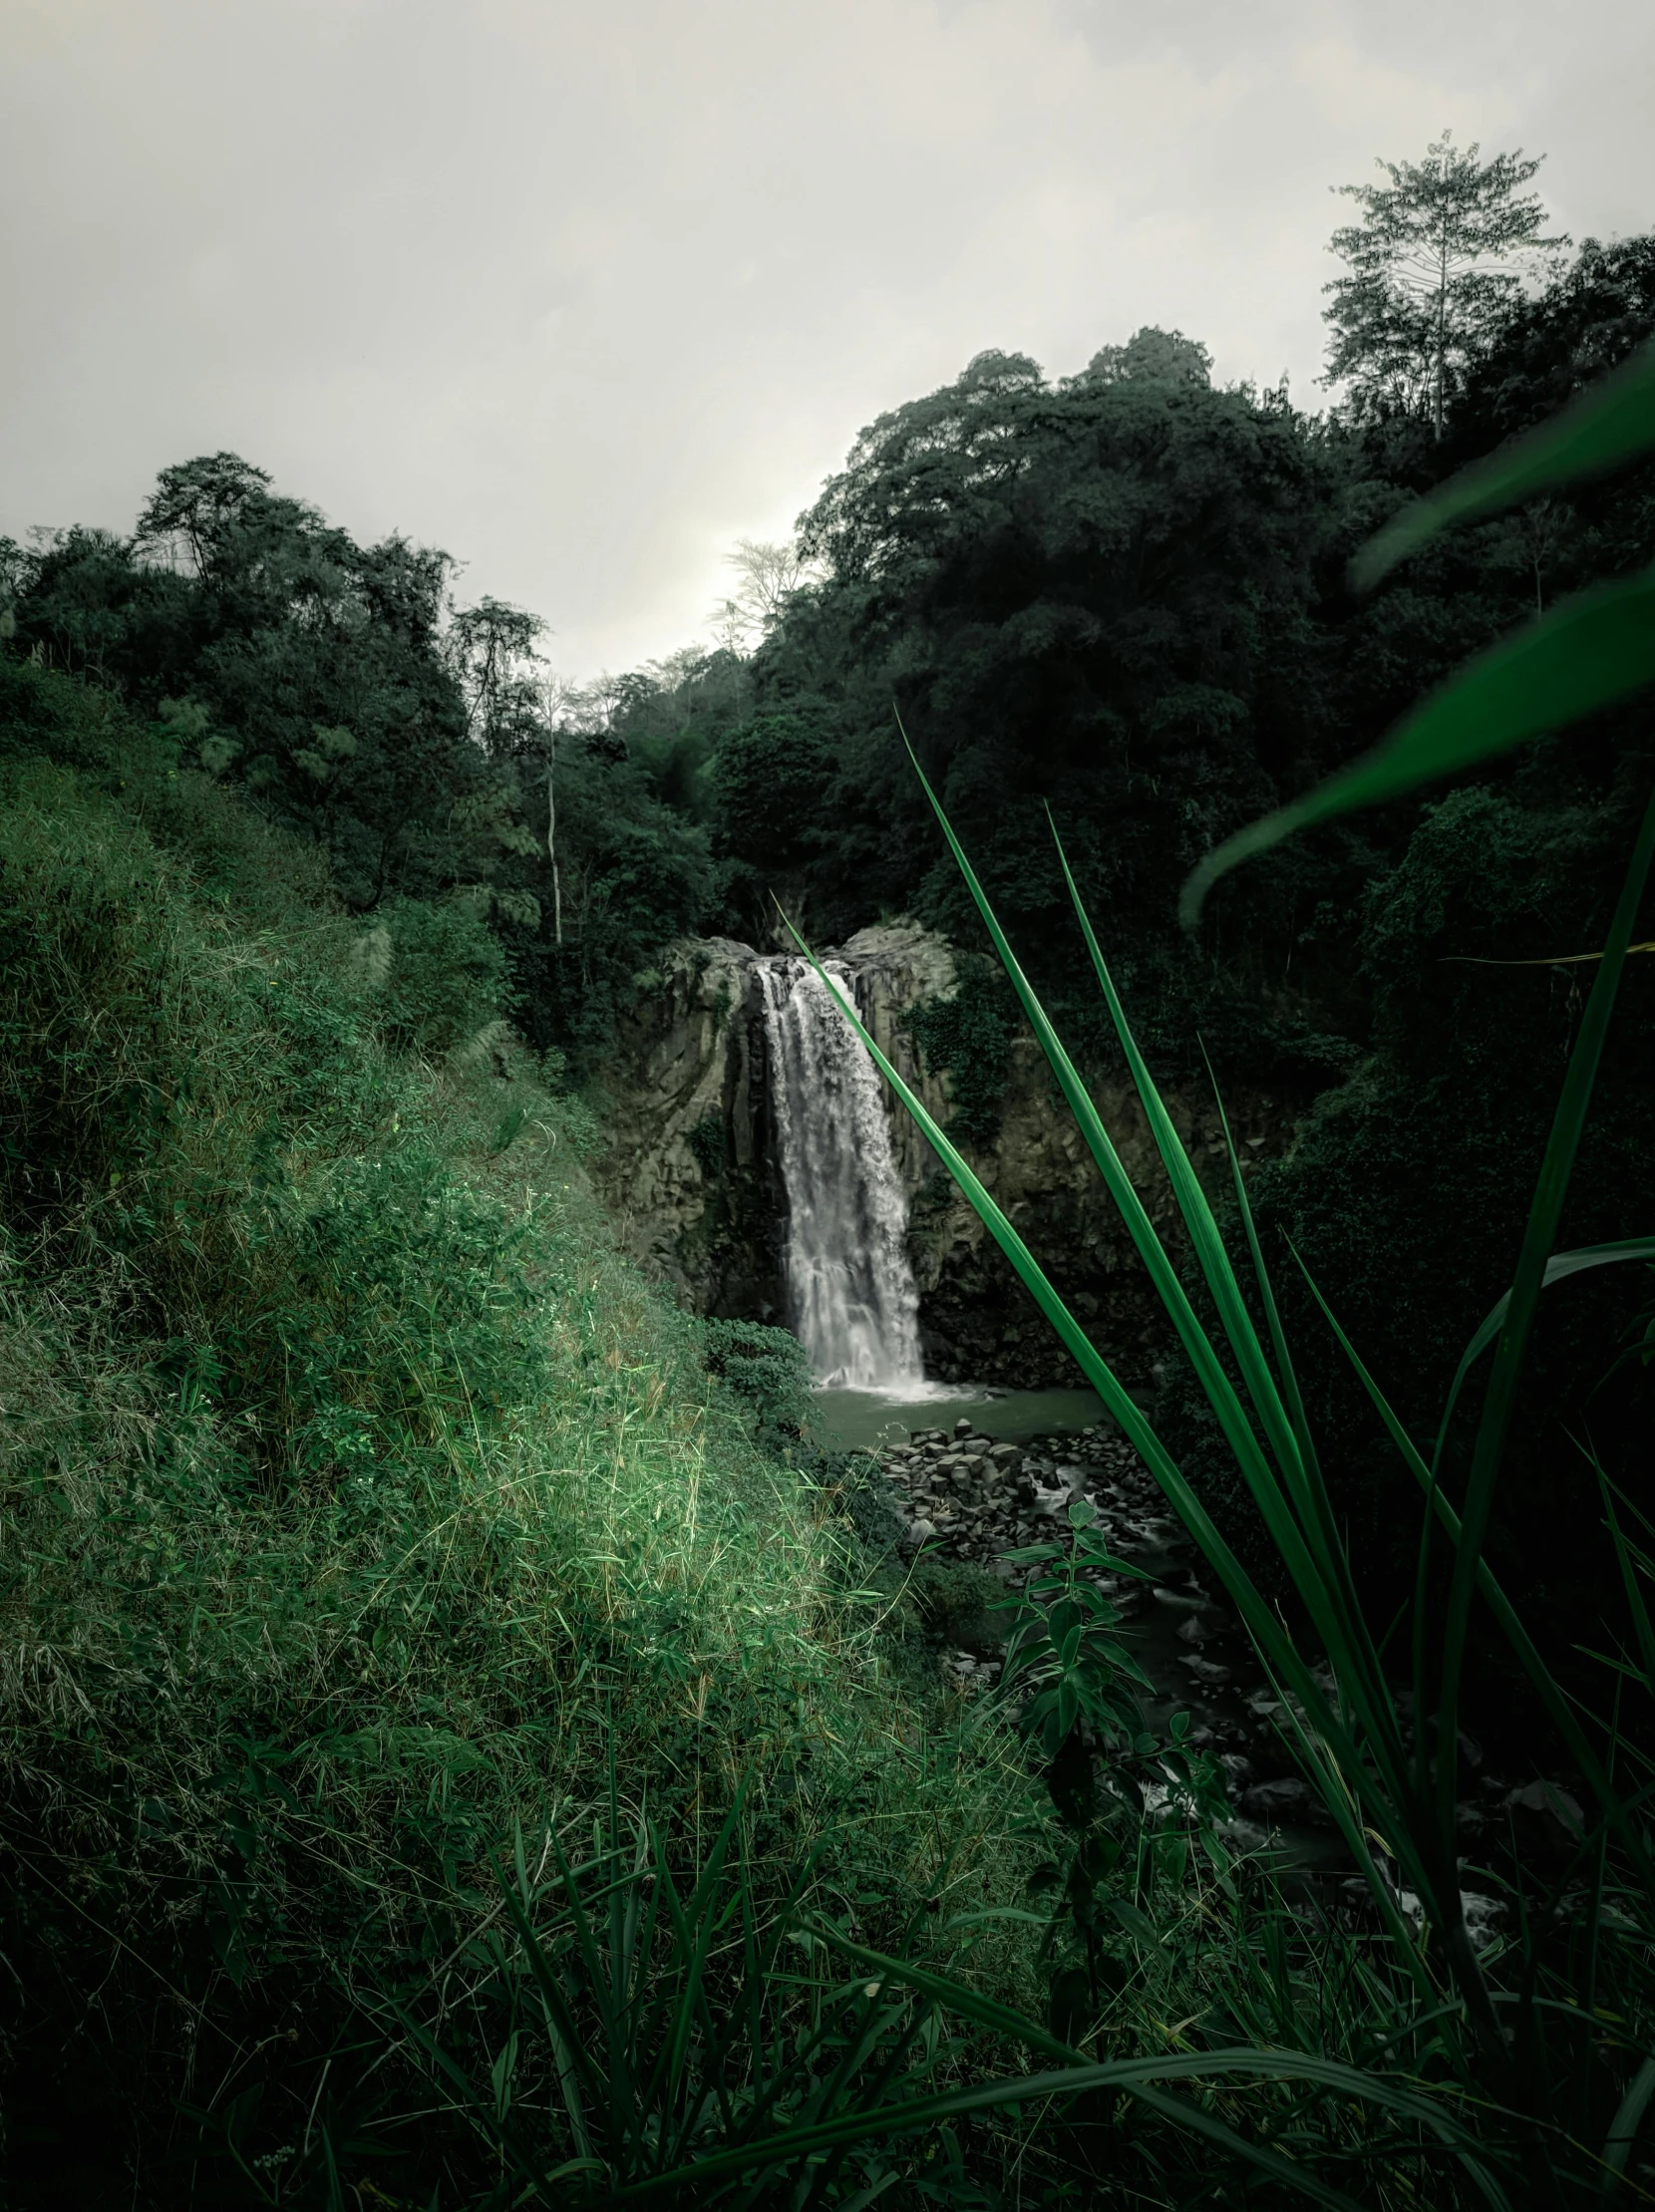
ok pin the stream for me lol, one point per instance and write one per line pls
(1004, 1466)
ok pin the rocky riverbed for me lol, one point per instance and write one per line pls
(966, 1496)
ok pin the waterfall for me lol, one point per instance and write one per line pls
(855, 1303)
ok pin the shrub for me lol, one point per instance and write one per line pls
(446, 976)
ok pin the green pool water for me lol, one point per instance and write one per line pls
(858, 1420)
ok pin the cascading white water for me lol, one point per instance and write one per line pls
(855, 1303)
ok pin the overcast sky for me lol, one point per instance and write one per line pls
(583, 293)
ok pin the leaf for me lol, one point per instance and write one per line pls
(1557, 1269)
(1135, 1920)
(1624, 2127)
(1587, 652)
(1529, 1279)
(1612, 422)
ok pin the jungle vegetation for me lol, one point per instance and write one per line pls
(461, 1746)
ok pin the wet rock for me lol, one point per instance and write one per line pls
(1286, 1800)
(1543, 1808)
(1242, 1835)
(1483, 1915)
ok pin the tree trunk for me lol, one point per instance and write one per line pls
(551, 843)
(1442, 342)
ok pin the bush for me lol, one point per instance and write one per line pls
(445, 975)
(970, 1036)
(769, 1372)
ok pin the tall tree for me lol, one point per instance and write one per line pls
(1432, 264)
(767, 576)
(491, 651)
(1095, 591)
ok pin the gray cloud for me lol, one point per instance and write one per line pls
(584, 294)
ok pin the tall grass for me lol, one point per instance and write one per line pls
(359, 1508)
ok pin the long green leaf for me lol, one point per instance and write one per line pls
(1132, 2075)
(1629, 1559)
(1539, 1238)
(1610, 424)
(1120, 1403)
(1586, 653)
(1559, 1268)
(1623, 2128)
(1558, 1708)
(1216, 1384)
(1320, 1580)
(1321, 1576)
(1380, 1792)
(1262, 1622)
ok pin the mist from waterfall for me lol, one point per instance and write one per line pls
(854, 1305)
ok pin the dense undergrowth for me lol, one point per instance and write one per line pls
(361, 1510)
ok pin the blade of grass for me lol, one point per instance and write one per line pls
(1263, 1623)
(1216, 1384)
(1559, 1268)
(1539, 1240)
(1333, 1603)
(1132, 2075)
(1279, 1336)
(1197, 1218)
(1631, 1582)
(1583, 654)
(1623, 2128)
(1604, 427)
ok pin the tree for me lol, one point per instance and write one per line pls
(1096, 593)
(197, 505)
(768, 576)
(491, 650)
(1430, 273)
(1150, 354)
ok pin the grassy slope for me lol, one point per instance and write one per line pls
(357, 1503)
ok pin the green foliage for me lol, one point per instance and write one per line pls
(1384, 1779)
(360, 1512)
(1064, 1647)
(769, 781)
(969, 1035)
(956, 1602)
(769, 1372)
(1405, 1174)
(414, 742)
(357, 1503)
(445, 976)
(708, 1140)
(1101, 587)
(616, 2052)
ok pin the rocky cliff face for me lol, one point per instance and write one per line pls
(692, 1177)
(690, 1170)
